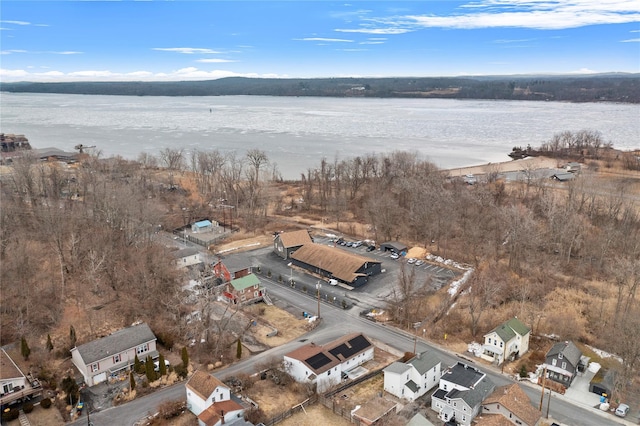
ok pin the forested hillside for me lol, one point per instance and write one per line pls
(591, 88)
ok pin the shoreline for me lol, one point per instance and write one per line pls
(505, 166)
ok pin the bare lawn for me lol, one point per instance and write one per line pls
(313, 416)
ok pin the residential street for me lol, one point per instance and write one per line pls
(337, 322)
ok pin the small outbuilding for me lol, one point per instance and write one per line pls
(202, 226)
(563, 176)
(394, 246)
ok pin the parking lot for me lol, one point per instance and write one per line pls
(372, 294)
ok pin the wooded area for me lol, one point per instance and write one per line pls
(579, 88)
(79, 242)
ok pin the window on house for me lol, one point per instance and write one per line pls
(518, 422)
(255, 286)
(94, 367)
(554, 362)
(142, 348)
(489, 340)
(117, 358)
(501, 344)
(560, 355)
(564, 365)
(255, 294)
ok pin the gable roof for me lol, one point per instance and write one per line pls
(215, 412)
(514, 399)
(396, 368)
(115, 343)
(569, 351)
(419, 420)
(8, 368)
(185, 252)
(203, 384)
(295, 238)
(341, 264)
(424, 361)
(245, 282)
(492, 420)
(475, 395)
(507, 330)
(322, 358)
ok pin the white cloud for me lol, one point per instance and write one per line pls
(336, 40)
(214, 61)
(187, 50)
(583, 71)
(8, 52)
(16, 22)
(190, 73)
(371, 42)
(535, 14)
(631, 40)
(67, 52)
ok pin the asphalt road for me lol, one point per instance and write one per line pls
(335, 323)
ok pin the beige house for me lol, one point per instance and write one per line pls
(509, 340)
(13, 383)
(100, 358)
(511, 405)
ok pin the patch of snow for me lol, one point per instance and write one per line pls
(453, 288)
(474, 348)
(594, 367)
(604, 354)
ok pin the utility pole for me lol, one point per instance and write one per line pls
(548, 403)
(544, 377)
(318, 287)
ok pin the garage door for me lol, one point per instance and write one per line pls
(99, 378)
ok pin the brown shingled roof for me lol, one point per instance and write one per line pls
(492, 420)
(8, 368)
(514, 399)
(203, 384)
(215, 412)
(295, 238)
(342, 265)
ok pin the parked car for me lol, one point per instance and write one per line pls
(622, 410)
(371, 248)
(333, 281)
(349, 243)
(395, 255)
(411, 260)
(419, 262)
(356, 244)
(156, 365)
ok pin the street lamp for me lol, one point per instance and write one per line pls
(318, 287)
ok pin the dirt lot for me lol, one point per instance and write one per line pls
(41, 417)
(315, 415)
(269, 317)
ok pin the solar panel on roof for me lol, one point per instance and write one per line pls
(318, 361)
(357, 344)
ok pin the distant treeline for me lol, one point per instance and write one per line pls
(592, 88)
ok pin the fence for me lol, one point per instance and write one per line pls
(326, 400)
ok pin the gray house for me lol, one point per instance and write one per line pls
(563, 361)
(101, 358)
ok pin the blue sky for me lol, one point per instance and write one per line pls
(187, 40)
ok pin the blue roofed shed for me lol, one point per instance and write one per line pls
(202, 226)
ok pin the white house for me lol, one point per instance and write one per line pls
(509, 340)
(460, 393)
(210, 400)
(324, 365)
(11, 378)
(103, 357)
(186, 257)
(414, 378)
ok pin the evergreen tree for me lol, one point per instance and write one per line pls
(161, 366)
(24, 348)
(148, 366)
(137, 365)
(49, 343)
(185, 357)
(72, 336)
(239, 350)
(132, 381)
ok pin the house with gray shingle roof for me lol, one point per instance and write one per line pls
(460, 393)
(509, 340)
(101, 358)
(562, 362)
(414, 378)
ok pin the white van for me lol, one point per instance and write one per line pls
(333, 282)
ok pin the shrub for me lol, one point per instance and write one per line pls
(45, 403)
(28, 407)
(12, 414)
(256, 416)
(165, 338)
(523, 370)
(171, 409)
(180, 370)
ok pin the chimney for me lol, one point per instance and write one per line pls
(222, 415)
